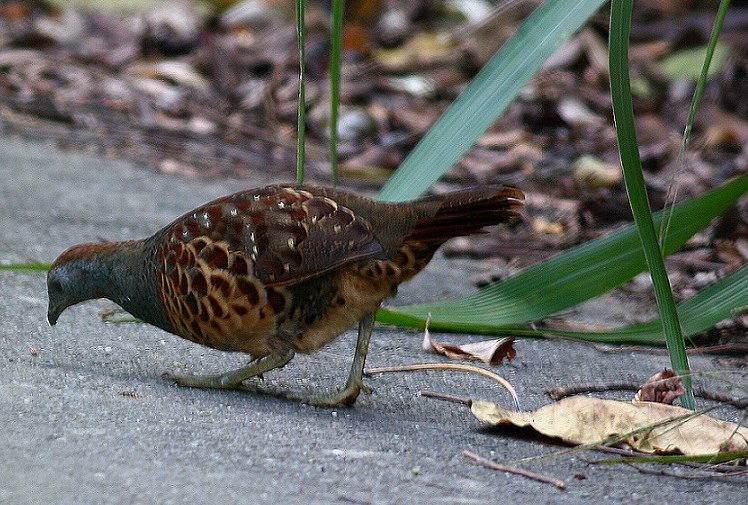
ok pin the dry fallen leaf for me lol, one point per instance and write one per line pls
(662, 387)
(491, 352)
(576, 113)
(583, 420)
(421, 50)
(170, 71)
(594, 173)
(543, 226)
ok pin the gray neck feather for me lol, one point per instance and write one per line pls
(128, 278)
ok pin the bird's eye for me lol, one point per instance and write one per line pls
(55, 285)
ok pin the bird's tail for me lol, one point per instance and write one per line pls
(441, 217)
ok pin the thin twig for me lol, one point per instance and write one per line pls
(721, 468)
(726, 477)
(558, 393)
(740, 403)
(464, 400)
(517, 471)
(562, 392)
(631, 453)
(736, 348)
(451, 366)
(621, 451)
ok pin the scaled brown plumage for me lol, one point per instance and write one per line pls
(274, 270)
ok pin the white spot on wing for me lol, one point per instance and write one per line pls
(331, 202)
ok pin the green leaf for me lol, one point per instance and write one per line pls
(723, 299)
(575, 276)
(687, 64)
(488, 94)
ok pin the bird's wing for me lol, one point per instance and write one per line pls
(286, 235)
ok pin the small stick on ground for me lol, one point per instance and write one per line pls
(447, 397)
(734, 349)
(562, 392)
(621, 451)
(517, 471)
(725, 477)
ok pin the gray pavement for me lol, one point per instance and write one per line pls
(71, 432)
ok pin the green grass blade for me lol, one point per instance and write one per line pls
(27, 267)
(575, 276)
(301, 122)
(711, 459)
(724, 5)
(723, 299)
(623, 113)
(336, 41)
(489, 93)
(700, 84)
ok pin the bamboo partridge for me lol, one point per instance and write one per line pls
(276, 270)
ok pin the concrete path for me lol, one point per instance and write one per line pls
(88, 419)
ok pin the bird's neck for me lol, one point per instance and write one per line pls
(123, 273)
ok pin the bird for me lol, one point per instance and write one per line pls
(274, 271)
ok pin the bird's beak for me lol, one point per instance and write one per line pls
(53, 313)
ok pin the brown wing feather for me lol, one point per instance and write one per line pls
(287, 235)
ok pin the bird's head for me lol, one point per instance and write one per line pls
(72, 279)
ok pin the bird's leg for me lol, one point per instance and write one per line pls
(354, 385)
(234, 378)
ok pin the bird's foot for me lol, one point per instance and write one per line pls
(221, 381)
(234, 378)
(346, 396)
